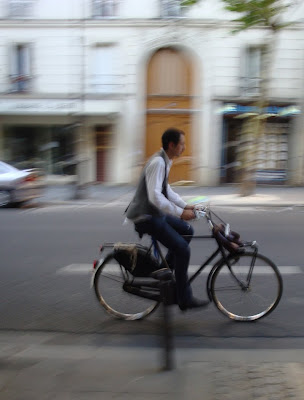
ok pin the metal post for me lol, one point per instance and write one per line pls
(167, 299)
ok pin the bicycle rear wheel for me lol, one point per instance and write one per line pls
(256, 298)
(108, 284)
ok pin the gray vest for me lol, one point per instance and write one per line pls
(140, 204)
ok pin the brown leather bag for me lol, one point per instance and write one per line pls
(230, 242)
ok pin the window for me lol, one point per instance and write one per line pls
(272, 157)
(20, 76)
(105, 69)
(21, 8)
(170, 8)
(252, 78)
(104, 8)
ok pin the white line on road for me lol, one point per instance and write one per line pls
(75, 269)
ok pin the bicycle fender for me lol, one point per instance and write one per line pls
(97, 265)
(216, 265)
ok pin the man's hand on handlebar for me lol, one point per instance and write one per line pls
(188, 214)
(193, 212)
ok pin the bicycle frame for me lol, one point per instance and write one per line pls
(149, 288)
(232, 271)
(225, 258)
(206, 212)
(146, 289)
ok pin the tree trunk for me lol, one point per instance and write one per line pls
(253, 126)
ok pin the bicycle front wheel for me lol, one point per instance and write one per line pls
(242, 297)
(108, 284)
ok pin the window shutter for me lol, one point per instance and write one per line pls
(105, 68)
(252, 70)
(25, 60)
(20, 66)
(13, 60)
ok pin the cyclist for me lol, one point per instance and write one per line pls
(157, 210)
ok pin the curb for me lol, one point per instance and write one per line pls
(221, 204)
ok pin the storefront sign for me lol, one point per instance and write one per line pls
(27, 106)
(59, 107)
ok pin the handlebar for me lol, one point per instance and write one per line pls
(203, 211)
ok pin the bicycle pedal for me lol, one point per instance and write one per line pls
(163, 274)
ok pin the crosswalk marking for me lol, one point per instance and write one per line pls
(78, 269)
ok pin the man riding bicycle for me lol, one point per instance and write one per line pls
(160, 212)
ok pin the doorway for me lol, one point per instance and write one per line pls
(169, 104)
(103, 147)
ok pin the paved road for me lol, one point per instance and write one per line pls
(57, 344)
(39, 294)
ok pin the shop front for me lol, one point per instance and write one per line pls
(46, 146)
(39, 134)
(68, 139)
(268, 148)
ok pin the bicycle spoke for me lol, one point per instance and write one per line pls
(108, 283)
(227, 288)
(252, 302)
(112, 278)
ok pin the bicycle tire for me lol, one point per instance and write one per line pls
(252, 303)
(108, 285)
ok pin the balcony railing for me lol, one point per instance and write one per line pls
(20, 83)
(104, 8)
(251, 86)
(20, 8)
(170, 8)
(106, 84)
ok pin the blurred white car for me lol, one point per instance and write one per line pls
(18, 186)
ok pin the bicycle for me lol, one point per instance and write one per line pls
(235, 283)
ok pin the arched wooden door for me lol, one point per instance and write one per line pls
(103, 148)
(169, 105)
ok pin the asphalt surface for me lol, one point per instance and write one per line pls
(44, 365)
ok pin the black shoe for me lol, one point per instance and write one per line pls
(193, 303)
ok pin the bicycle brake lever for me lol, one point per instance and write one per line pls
(227, 230)
(199, 213)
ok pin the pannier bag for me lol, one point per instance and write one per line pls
(137, 259)
(231, 242)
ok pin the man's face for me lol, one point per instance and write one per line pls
(180, 147)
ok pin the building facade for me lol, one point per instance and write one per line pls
(88, 87)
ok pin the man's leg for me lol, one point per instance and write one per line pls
(168, 230)
(184, 229)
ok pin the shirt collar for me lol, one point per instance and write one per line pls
(168, 161)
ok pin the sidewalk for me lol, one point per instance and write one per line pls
(54, 366)
(218, 196)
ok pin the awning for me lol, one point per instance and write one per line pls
(235, 109)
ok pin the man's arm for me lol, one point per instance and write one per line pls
(174, 204)
(187, 213)
(155, 173)
(189, 207)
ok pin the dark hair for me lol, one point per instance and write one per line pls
(171, 135)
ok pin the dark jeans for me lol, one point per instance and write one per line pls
(168, 230)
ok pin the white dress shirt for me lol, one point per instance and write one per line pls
(155, 174)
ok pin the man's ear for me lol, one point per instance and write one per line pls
(171, 146)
